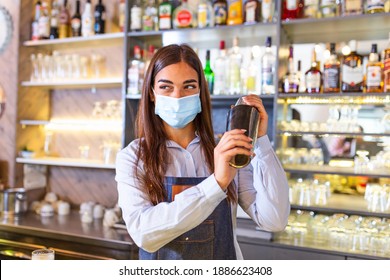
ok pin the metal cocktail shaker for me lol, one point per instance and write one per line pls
(243, 116)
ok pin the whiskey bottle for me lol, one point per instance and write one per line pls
(374, 71)
(76, 21)
(329, 8)
(311, 8)
(165, 11)
(184, 16)
(375, 6)
(313, 76)
(205, 14)
(234, 16)
(150, 16)
(352, 7)
(44, 22)
(251, 11)
(267, 10)
(220, 8)
(122, 15)
(100, 18)
(54, 21)
(332, 72)
(352, 71)
(35, 24)
(291, 80)
(136, 16)
(135, 72)
(292, 9)
(64, 21)
(386, 69)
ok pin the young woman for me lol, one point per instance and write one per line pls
(177, 191)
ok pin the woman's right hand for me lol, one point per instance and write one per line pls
(232, 143)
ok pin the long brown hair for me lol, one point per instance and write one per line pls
(152, 146)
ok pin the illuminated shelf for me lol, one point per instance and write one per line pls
(327, 133)
(87, 83)
(326, 169)
(344, 203)
(109, 37)
(66, 162)
(335, 98)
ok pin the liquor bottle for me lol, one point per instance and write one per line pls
(76, 21)
(352, 7)
(267, 10)
(234, 16)
(235, 61)
(87, 20)
(150, 16)
(374, 71)
(100, 18)
(375, 6)
(165, 11)
(329, 8)
(386, 68)
(221, 71)
(332, 72)
(205, 14)
(148, 57)
(220, 8)
(291, 80)
(136, 16)
(352, 71)
(250, 83)
(300, 77)
(44, 22)
(64, 21)
(313, 76)
(268, 61)
(292, 9)
(311, 8)
(35, 25)
(184, 16)
(122, 15)
(54, 21)
(208, 73)
(136, 72)
(252, 11)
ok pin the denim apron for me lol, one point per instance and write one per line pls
(212, 239)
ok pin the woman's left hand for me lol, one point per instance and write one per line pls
(255, 101)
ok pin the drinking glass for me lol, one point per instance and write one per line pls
(243, 116)
(43, 254)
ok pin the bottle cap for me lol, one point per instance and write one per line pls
(222, 45)
(268, 42)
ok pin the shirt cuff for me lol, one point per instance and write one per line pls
(263, 146)
(212, 190)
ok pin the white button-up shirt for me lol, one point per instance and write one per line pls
(262, 194)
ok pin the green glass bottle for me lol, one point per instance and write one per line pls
(209, 74)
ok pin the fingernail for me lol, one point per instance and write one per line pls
(243, 130)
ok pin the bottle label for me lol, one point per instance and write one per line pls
(313, 81)
(386, 71)
(291, 4)
(374, 77)
(352, 75)
(375, 4)
(220, 14)
(44, 27)
(35, 31)
(331, 77)
(250, 10)
(136, 16)
(266, 8)
(353, 5)
(76, 24)
(267, 77)
(184, 18)
(165, 12)
(202, 15)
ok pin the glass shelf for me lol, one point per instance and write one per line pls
(335, 98)
(66, 162)
(108, 37)
(326, 169)
(354, 27)
(343, 203)
(327, 133)
(87, 83)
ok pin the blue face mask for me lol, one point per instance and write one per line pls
(177, 112)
